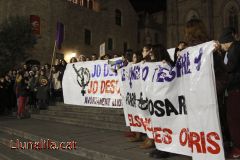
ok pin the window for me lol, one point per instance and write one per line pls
(233, 18)
(110, 44)
(87, 37)
(90, 4)
(118, 17)
(125, 46)
(156, 38)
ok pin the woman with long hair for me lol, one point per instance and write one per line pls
(195, 32)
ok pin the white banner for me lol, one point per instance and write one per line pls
(92, 83)
(176, 106)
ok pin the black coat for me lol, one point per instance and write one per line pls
(233, 66)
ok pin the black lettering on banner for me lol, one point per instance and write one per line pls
(159, 108)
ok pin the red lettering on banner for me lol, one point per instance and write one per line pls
(136, 121)
(130, 119)
(167, 135)
(183, 139)
(194, 140)
(213, 143)
(200, 142)
(162, 135)
(109, 87)
(93, 87)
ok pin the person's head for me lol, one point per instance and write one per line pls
(146, 50)
(10, 73)
(94, 57)
(26, 74)
(2, 80)
(226, 38)
(46, 66)
(195, 32)
(63, 62)
(182, 45)
(42, 72)
(7, 77)
(53, 69)
(31, 73)
(37, 73)
(82, 58)
(25, 66)
(88, 59)
(14, 72)
(161, 53)
(57, 61)
(106, 57)
(136, 57)
(116, 56)
(73, 60)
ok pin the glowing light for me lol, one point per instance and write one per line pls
(69, 55)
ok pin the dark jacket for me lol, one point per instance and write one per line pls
(221, 74)
(233, 66)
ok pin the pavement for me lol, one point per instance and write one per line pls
(92, 143)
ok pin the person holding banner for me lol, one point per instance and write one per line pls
(232, 47)
(160, 54)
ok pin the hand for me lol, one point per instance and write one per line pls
(217, 46)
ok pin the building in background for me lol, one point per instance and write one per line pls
(151, 28)
(87, 24)
(216, 14)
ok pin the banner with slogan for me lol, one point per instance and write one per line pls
(176, 106)
(92, 83)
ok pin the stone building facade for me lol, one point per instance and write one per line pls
(216, 14)
(151, 28)
(87, 24)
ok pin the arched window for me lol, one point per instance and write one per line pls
(230, 15)
(85, 3)
(118, 17)
(192, 14)
(233, 18)
(90, 4)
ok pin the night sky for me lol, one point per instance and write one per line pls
(150, 6)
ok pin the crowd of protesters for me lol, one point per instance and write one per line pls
(34, 84)
(226, 60)
(30, 87)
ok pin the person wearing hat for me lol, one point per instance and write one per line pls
(232, 47)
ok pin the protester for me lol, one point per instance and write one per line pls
(42, 91)
(82, 58)
(73, 60)
(56, 85)
(160, 54)
(181, 46)
(21, 93)
(232, 47)
(32, 93)
(94, 57)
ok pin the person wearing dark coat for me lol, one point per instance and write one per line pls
(42, 91)
(232, 47)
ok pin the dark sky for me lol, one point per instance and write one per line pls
(149, 5)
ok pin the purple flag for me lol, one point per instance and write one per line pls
(59, 35)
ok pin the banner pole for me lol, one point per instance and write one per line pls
(53, 54)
